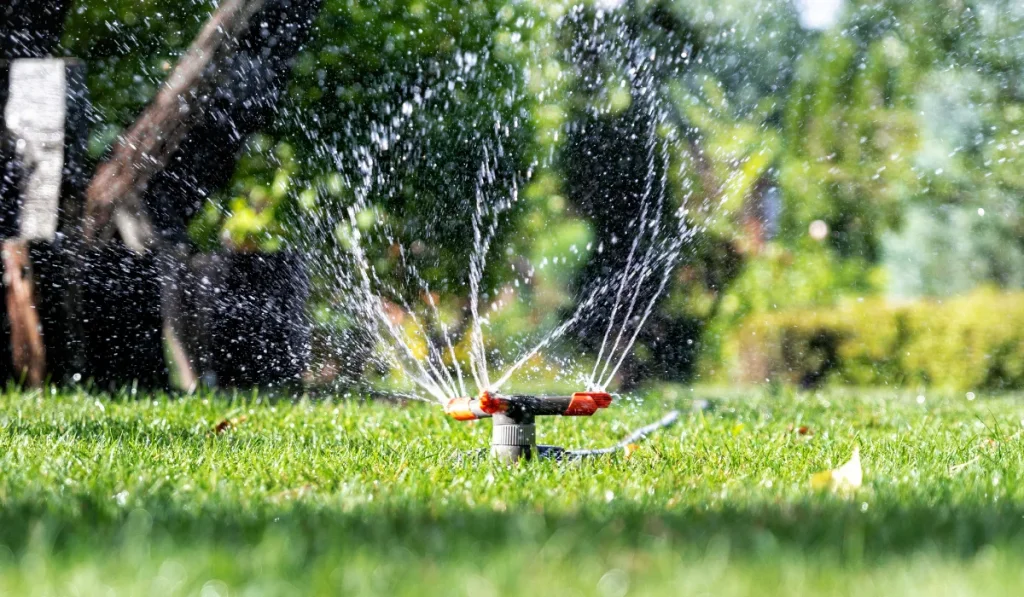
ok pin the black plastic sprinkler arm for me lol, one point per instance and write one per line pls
(521, 407)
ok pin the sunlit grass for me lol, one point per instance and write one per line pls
(143, 496)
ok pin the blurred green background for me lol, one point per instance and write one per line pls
(854, 168)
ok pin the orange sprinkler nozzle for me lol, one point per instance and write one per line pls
(602, 399)
(459, 409)
(584, 404)
(492, 404)
(580, 405)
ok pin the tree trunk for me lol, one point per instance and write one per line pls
(26, 337)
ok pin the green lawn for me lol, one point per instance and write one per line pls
(136, 497)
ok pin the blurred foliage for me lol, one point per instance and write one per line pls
(818, 164)
(972, 342)
(897, 125)
(951, 250)
(264, 178)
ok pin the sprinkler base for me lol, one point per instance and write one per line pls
(514, 436)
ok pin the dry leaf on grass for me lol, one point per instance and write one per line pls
(848, 477)
(229, 423)
(293, 494)
(956, 468)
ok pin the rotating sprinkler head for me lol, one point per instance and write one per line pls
(514, 416)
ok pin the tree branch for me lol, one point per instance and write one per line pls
(115, 193)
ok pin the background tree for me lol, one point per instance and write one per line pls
(896, 114)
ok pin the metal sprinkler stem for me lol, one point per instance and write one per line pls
(514, 436)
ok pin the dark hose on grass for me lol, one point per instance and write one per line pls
(667, 421)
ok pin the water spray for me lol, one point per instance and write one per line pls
(514, 436)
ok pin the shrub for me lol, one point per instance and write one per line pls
(970, 342)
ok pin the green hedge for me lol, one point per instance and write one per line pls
(965, 343)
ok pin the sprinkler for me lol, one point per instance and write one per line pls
(515, 434)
